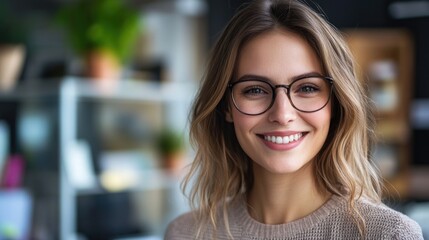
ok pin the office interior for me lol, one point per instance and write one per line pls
(85, 156)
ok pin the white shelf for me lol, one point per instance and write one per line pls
(124, 89)
(128, 89)
(175, 96)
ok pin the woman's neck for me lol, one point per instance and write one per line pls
(282, 198)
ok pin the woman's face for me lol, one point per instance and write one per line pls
(279, 56)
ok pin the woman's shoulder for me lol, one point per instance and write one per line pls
(182, 227)
(379, 217)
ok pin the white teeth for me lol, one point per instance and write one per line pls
(284, 139)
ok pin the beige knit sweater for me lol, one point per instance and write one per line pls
(330, 221)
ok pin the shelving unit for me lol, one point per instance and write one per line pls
(385, 62)
(69, 94)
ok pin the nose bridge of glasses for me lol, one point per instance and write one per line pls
(286, 89)
(286, 98)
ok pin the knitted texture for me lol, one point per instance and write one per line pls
(330, 221)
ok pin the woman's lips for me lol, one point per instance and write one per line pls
(282, 141)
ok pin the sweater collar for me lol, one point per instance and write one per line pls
(250, 227)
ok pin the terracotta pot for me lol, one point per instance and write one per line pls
(102, 65)
(11, 61)
(173, 162)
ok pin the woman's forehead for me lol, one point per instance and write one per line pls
(278, 55)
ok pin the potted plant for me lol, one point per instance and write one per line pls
(12, 47)
(103, 32)
(171, 147)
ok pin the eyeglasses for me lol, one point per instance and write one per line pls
(256, 96)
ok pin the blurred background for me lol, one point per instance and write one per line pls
(95, 95)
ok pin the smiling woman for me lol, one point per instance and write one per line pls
(282, 130)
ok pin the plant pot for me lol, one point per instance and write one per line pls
(11, 62)
(101, 65)
(104, 69)
(173, 162)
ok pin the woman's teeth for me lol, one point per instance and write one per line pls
(283, 139)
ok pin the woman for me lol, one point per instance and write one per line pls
(282, 129)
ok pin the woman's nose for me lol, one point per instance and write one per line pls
(282, 110)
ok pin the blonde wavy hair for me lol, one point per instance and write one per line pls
(221, 170)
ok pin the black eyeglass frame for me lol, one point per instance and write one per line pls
(330, 80)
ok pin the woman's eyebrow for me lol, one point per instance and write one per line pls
(253, 77)
(306, 75)
(263, 78)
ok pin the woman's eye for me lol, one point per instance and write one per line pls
(308, 89)
(254, 90)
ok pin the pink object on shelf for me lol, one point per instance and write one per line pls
(13, 172)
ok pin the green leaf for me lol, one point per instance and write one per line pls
(100, 24)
